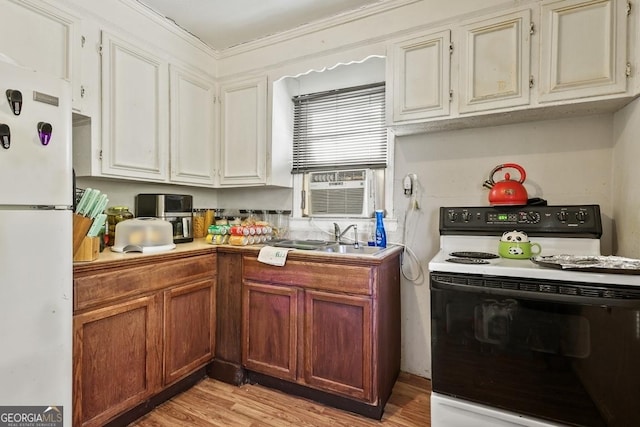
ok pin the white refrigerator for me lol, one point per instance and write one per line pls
(36, 292)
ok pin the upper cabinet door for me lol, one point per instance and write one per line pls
(420, 74)
(193, 142)
(495, 57)
(244, 132)
(47, 39)
(135, 122)
(583, 49)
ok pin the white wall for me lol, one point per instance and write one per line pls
(122, 193)
(626, 176)
(567, 161)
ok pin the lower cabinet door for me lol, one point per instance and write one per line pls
(189, 331)
(270, 329)
(117, 359)
(338, 344)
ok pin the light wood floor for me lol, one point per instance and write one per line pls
(213, 403)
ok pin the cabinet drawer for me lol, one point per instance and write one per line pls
(108, 285)
(331, 277)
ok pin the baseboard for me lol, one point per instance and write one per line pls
(226, 372)
(344, 403)
(149, 405)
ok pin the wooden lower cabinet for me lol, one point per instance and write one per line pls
(270, 329)
(334, 328)
(189, 328)
(337, 343)
(137, 336)
(145, 327)
(227, 362)
(331, 334)
(117, 355)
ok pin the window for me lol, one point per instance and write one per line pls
(340, 129)
(336, 80)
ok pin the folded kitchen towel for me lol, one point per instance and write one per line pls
(274, 256)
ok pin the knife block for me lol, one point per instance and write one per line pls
(89, 249)
(81, 226)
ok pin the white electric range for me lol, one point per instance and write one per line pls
(515, 343)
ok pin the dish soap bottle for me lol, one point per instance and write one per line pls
(371, 233)
(381, 235)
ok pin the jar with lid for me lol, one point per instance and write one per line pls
(282, 224)
(209, 219)
(199, 229)
(115, 214)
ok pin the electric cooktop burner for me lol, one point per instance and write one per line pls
(478, 255)
(467, 260)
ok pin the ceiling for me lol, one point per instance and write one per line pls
(226, 23)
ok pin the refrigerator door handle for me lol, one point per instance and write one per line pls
(5, 136)
(44, 132)
(15, 100)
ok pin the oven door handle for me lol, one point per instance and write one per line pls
(541, 296)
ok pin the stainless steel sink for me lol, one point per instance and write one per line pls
(350, 249)
(329, 247)
(303, 244)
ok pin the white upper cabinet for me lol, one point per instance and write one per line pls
(419, 77)
(583, 49)
(193, 143)
(495, 55)
(551, 53)
(158, 118)
(243, 128)
(135, 118)
(47, 39)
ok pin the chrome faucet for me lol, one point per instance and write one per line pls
(337, 235)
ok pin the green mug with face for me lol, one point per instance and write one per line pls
(516, 245)
(518, 250)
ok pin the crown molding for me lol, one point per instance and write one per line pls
(169, 25)
(313, 27)
(139, 7)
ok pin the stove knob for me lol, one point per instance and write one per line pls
(562, 216)
(533, 217)
(581, 216)
(452, 216)
(466, 216)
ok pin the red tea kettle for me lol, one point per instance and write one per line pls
(509, 191)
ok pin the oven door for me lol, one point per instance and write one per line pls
(560, 351)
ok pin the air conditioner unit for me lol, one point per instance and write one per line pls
(342, 193)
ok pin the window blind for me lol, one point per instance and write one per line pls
(340, 129)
